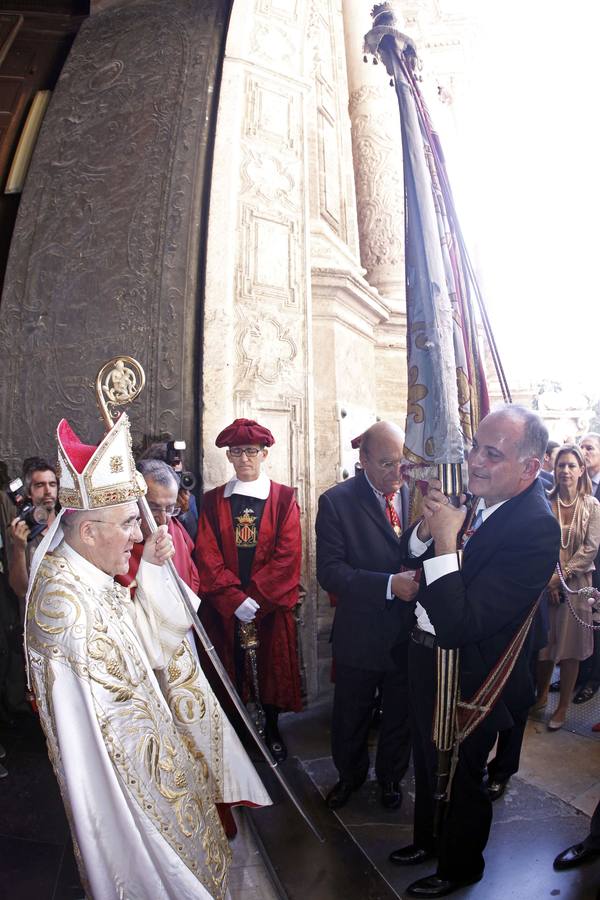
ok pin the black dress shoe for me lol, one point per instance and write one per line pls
(339, 794)
(434, 886)
(585, 693)
(410, 856)
(391, 794)
(495, 788)
(575, 856)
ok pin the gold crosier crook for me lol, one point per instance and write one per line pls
(118, 382)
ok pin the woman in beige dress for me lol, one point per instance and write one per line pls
(569, 642)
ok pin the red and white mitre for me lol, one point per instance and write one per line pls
(95, 477)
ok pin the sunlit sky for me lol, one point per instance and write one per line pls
(525, 169)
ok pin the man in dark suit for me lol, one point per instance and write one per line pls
(588, 679)
(546, 473)
(478, 608)
(359, 524)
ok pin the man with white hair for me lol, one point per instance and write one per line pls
(136, 789)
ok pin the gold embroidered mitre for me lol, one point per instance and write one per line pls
(93, 477)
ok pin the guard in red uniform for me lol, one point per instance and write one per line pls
(248, 554)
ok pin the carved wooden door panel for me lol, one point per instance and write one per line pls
(106, 256)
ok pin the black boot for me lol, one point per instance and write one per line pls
(275, 742)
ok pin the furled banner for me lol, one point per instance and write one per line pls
(447, 394)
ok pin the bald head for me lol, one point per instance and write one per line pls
(381, 450)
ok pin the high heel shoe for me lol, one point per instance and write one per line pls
(555, 724)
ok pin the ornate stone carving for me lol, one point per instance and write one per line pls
(269, 257)
(276, 45)
(285, 10)
(365, 94)
(268, 177)
(272, 114)
(266, 349)
(379, 191)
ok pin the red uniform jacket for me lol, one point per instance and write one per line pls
(274, 582)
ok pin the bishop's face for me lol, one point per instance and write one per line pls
(114, 532)
(247, 459)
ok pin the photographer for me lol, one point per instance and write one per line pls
(40, 488)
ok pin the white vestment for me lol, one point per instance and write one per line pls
(137, 790)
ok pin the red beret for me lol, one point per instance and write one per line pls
(245, 431)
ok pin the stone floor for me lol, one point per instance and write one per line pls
(545, 809)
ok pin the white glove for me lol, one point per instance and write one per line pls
(246, 611)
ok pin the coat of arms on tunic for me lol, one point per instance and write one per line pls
(245, 529)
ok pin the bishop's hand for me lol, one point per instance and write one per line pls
(158, 547)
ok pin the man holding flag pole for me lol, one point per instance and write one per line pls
(483, 609)
(472, 622)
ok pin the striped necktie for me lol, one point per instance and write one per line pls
(474, 526)
(392, 515)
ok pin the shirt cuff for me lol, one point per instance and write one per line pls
(438, 566)
(388, 594)
(417, 547)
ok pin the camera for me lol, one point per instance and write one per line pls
(187, 480)
(35, 517)
(175, 449)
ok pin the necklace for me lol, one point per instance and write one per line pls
(568, 505)
(562, 527)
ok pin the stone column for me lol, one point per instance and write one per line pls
(377, 153)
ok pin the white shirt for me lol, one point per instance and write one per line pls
(259, 488)
(438, 566)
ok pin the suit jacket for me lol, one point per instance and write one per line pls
(357, 551)
(506, 564)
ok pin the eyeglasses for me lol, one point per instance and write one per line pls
(247, 451)
(126, 527)
(167, 510)
(389, 465)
